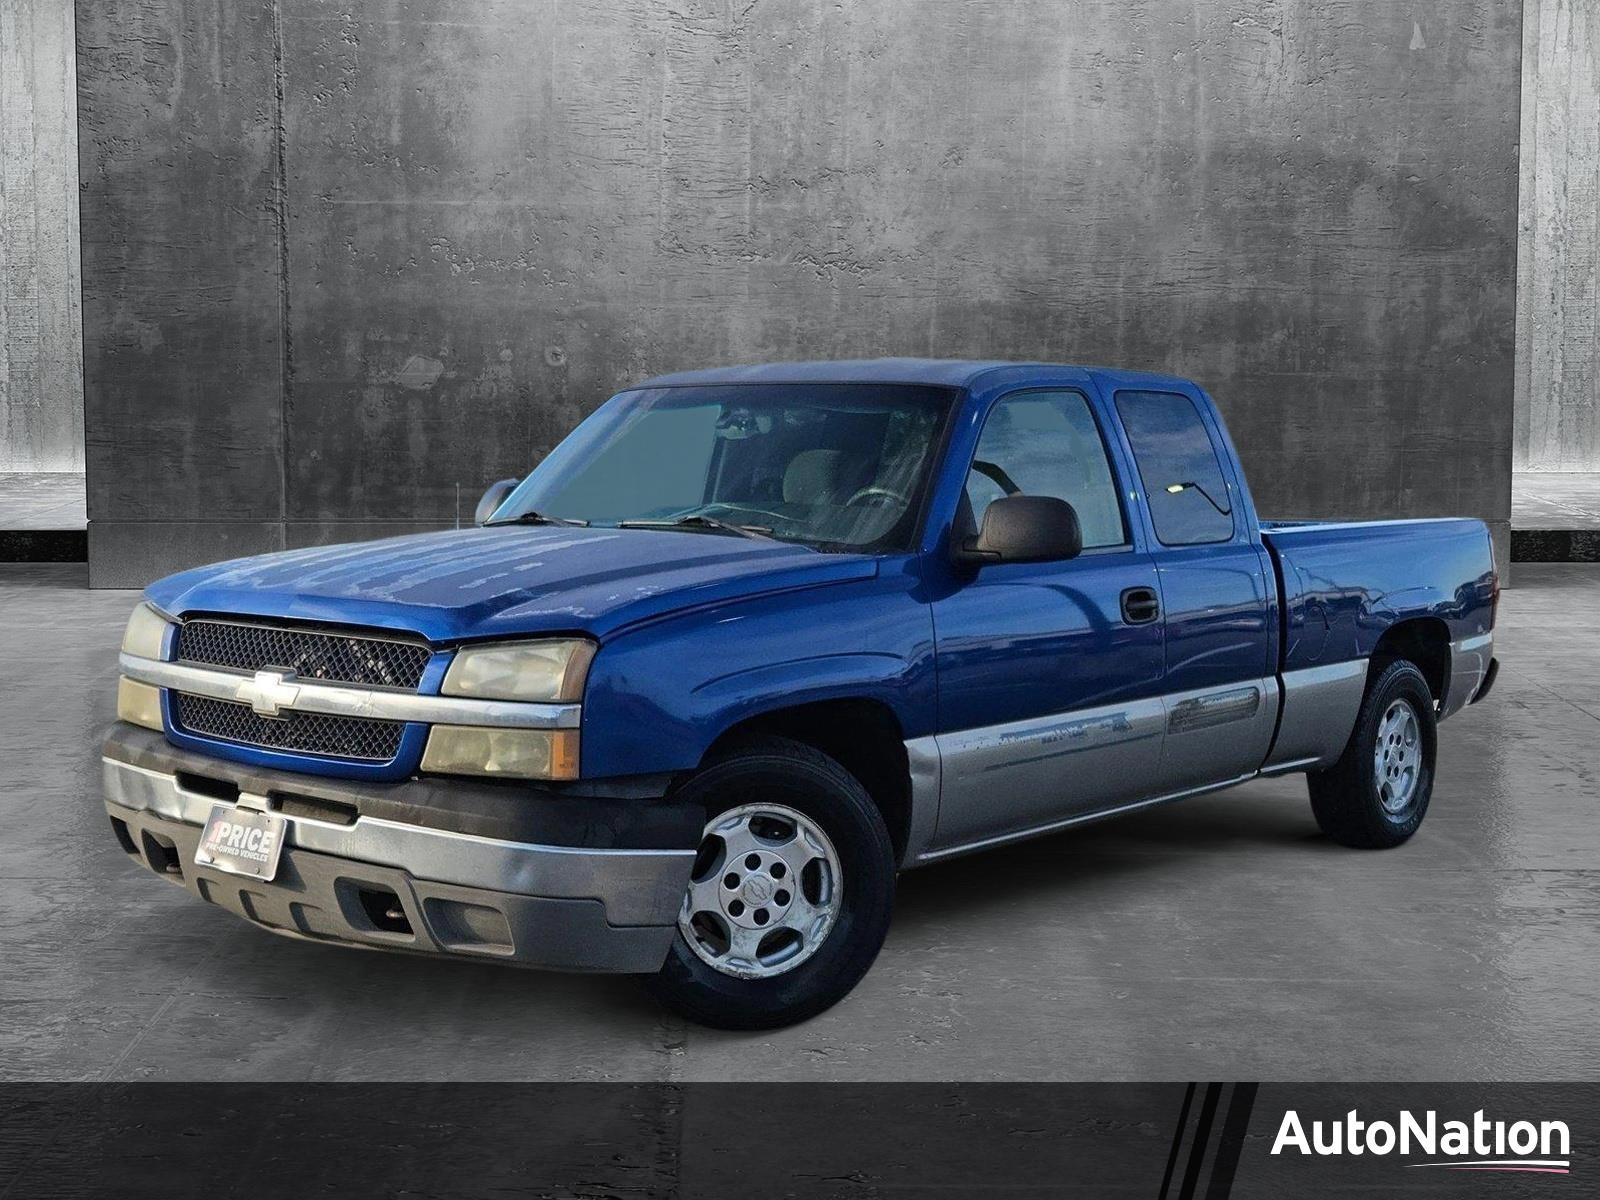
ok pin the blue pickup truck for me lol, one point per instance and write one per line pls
(751, 641)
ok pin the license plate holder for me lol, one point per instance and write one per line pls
(242, 841)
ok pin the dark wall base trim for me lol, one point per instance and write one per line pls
(44, 545)
(1555, 545)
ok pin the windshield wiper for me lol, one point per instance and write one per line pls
(536, 518)
(701, 521)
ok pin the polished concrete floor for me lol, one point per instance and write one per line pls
(1555, 500)
(1221, 938)
(34, 500)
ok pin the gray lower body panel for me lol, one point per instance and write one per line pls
(982, 787)
(1469, 667)
(1320, 705)
(1217, 734)
(999, 778)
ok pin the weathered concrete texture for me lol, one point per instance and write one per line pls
(1216, 938)
(1558, 314)
(495, 214)
(41, 347)
(181, 260)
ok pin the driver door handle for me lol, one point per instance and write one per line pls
(1140, 605)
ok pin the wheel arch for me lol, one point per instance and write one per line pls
(1424, 641)
(862, 735)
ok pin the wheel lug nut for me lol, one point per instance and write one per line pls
(730, 881)
(753, 861)
(782, 897)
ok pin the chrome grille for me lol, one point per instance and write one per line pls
(309, 654)
(305, 733)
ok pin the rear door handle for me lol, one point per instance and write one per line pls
(1140, 605)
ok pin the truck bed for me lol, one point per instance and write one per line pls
(1344, 583)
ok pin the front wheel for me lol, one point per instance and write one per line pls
(1376, 795)
(790, 895)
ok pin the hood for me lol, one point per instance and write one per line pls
(506, 581)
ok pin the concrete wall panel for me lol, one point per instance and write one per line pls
(181, 261)
(496, 213)
(1558, 314)
(41, 347)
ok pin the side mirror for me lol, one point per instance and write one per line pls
(493, 499)
(1024, 529)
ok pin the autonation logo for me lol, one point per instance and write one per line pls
(1476, 1145)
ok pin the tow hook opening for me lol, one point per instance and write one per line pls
(162, 855)
(382, 907)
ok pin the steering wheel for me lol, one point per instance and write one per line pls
(873, 492)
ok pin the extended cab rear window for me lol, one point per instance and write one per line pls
(1182, 476)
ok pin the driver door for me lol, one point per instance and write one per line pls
(1050, 674)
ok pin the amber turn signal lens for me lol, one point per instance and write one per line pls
(138, 703)
(503, 753)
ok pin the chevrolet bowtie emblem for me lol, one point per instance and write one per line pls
(268, 692)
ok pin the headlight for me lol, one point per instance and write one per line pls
(552, 671)
(534, 671)
(147, 629)
(138, 703)
(505, 753)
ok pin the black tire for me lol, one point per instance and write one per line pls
(799, 777)
(1346, 798)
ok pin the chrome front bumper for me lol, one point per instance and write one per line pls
(564, 907)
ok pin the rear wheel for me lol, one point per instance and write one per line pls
(790, 895)
(1376, 795)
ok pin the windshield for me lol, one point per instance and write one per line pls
(830, 465)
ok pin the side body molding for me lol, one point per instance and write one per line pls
(998, 780)
(1071, 763)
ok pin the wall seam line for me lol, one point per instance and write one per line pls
(285, 331)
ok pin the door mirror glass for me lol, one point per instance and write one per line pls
(1023, 529)
(494, 498)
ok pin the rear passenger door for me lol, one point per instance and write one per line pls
(1049, 673)
(1217, 592)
